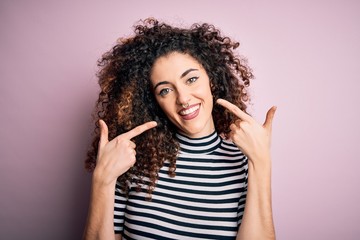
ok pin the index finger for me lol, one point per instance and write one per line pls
(139, 130)
(234, 109)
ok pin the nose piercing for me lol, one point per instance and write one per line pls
(185, 105)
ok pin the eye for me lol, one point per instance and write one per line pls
(192, 80)
(164, 91)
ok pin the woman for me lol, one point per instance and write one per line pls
(175, 142)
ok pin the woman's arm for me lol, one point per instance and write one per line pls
(257, 221)
(114, 158)
(254, 140)
(100, 224)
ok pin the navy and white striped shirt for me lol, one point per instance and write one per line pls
(205, 200)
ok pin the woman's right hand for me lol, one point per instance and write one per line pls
(116, 156)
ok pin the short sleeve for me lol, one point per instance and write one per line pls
(119, 209)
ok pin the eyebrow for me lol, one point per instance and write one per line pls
(187, 71)
(161, 83)
(182, 75)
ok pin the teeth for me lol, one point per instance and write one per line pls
(189, 110)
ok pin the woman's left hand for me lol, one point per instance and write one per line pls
(252, 138)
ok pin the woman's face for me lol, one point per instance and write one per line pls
(182, 89)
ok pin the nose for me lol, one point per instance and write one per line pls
(183, 97)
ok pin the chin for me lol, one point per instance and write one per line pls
(193, 132)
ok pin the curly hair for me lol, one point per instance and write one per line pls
(126, 99)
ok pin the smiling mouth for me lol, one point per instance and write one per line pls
(191, 109)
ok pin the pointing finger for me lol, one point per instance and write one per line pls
(132, 144)
(234, 109)
(269, 118)
(139, 130)
(104, 131)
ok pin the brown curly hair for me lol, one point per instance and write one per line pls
(126, 99)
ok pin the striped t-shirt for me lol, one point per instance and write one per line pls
(205, 200)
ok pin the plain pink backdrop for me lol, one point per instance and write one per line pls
(306, 58)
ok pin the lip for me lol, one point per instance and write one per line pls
(190, 115)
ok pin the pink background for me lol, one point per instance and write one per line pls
(306, 58)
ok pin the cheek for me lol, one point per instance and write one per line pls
(165, 106)
(208, 94)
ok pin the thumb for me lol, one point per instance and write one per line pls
(269, 118)
(104, 131)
